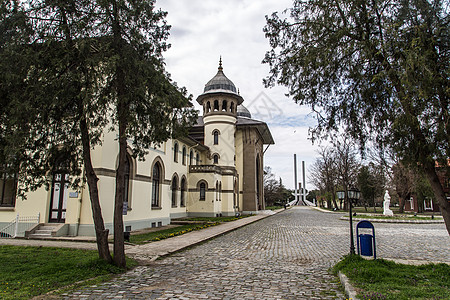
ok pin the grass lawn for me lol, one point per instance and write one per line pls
(171, 232)
(381, 279)
(274, 207)
(215, 219)
(167, 233)
(26, 272)
(397, 217)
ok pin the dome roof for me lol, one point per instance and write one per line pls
(242, 111)
(220, 82)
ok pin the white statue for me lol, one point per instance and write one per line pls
(386, 203)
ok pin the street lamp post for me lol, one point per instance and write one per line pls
(352, 196)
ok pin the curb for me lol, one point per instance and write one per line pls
(182, 248)
(210, 238)
(168, 253)
(395, 220)
(326, 211)
(350, 291)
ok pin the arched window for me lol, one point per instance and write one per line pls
(184, 156)
(216, 137)
(197, 158)
(224, 105)
(8, 187)
(232, 107)
(216, 105)
(183, 192)
(258, 182)
(220, 191)
(202, 191)
(191, 157)
(174, 191)
(217, 190)
(126, 179)
(156, 182)
(215, 158)
(208, 107)
(175, 152)
(235, 193)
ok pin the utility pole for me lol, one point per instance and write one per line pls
(295, 178)
(304, 182)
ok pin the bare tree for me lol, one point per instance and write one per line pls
(323, 174)
(347, 164)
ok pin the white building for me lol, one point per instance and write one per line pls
(217, 170)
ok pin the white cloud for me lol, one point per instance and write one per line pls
(202, 30)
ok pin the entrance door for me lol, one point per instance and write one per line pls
(59, 197)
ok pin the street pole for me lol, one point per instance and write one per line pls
(295, 178)
(352, 242)
(304, 182)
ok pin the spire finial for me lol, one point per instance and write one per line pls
(220, 64)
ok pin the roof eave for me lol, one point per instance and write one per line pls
(219, 93)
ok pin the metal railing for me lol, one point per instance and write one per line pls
(18, 226)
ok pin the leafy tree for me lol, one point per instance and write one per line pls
(371, 184)
(423, 192)
(65, 80)
(378, 69)
(314, 195)
(147, 109)
(404, 180)
(92, 67)
(274, 190)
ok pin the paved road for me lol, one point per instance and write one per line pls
(285, 256)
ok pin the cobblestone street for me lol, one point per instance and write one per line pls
(285, 256)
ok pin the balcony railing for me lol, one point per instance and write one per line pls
(212, 169)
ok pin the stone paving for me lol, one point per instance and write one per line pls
(285, 256)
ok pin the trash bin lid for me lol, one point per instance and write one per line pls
(364, 224)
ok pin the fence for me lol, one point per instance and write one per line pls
(18, 226)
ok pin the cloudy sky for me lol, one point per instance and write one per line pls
(204, 30)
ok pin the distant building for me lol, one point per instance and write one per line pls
(217, 170)
(412, 203)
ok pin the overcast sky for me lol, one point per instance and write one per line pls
(203, 30)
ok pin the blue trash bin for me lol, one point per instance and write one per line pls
(366, 244)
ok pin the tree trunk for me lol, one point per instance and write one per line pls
(439, 193)
(122, 111)
(100, 232)
(119, 247)
(122, 114)
(401, 203)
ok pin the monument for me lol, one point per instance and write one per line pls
(386, 203)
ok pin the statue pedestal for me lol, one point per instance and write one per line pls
(387, 211)
(386, 204)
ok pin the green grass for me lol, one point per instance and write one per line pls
(369, 210)
(215, 219)
(26, 272)
(179, 230)
(167, 233)
(381, 279)
(274, 207)
(396, 217)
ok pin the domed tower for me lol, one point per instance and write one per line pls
(220, 101)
